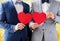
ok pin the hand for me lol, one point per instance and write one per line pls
(50, 15)
(34, 26)
(19, 26)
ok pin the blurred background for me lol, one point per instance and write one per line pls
(29, 2)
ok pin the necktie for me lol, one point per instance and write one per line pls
(18, 2)
(45, 1)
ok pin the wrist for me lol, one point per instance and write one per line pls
(15, 28)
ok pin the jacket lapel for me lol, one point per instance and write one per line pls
(13, 7)
(39, 6)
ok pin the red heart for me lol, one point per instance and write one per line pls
(24, 18)
(39, 17)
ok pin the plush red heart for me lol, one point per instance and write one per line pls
(39, 17)
(24, 18)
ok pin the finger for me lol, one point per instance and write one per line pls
(22, 24)
(35, 24)
(21, 28)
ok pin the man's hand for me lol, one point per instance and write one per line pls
(50, 15)
(19, 26)
(34, 26)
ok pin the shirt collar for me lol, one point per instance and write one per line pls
(46, 3)
(14, 1)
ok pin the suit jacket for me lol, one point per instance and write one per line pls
(47, 29)
(8, 19)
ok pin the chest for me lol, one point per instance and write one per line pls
(18, 7)
(53, 7)
(45, 7)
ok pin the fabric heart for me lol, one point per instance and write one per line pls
(39, 17)
(24, 18)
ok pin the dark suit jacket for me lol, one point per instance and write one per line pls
(8, 19)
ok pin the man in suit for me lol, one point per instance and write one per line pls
(14, 30)
(47, 30)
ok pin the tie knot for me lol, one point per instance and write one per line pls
(45, 1)
(18, 3)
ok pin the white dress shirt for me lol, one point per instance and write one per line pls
(18, 7)
(45, 7)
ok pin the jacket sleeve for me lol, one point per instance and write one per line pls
(57, 19)
(3, 23)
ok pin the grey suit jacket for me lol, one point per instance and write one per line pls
(48, 29)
